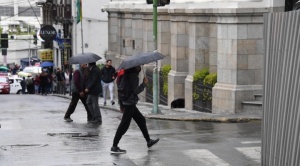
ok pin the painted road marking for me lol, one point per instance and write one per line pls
(251, 142)
(205, 157)
(253, 153)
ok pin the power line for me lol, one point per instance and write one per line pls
(11, 4)
(16, 14)
(34, 13)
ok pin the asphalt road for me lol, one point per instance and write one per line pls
(33, 132)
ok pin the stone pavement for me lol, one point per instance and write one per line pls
(181, 114)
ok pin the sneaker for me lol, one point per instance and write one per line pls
(116, 150)
(152, 142)
(68, 119)
(112, 102)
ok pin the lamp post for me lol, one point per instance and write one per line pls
(155, 109)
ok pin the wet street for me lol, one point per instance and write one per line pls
(34, 133)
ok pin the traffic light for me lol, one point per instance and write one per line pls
(35, 39)
(159, 2)
(4, 40)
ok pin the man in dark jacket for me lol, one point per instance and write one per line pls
(78, 84)
(93, 90)
(131, 111)
(107, 81)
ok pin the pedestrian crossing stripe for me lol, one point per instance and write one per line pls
(253, 153)
(206, 157)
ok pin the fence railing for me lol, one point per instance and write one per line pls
(202, 96)
(149, 88)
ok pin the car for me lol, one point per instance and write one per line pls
(15, 84)
(4, 85)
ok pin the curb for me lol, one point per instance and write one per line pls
(181, 118)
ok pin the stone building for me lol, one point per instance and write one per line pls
(224, 35)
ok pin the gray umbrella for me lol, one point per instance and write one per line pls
(84, 58)
(140, 59)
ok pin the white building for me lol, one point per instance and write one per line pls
(94, 29)
(19, 16)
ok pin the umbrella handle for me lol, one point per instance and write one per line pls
(143, 70)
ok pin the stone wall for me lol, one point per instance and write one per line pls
(227, 41)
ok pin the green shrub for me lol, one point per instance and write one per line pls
(165, 71)
(210, 79)
(200, 74)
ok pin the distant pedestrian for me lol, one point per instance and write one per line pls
(36, 83)
(44, 82)
(23, 85)
(129, 109)
(93, 90)
(78, 84)
(60, 79)
(29, 85)
(107, 81)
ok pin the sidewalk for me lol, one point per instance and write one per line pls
(180, 114)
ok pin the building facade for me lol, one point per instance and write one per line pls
(225, 36)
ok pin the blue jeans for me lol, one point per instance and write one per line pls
(92, 103)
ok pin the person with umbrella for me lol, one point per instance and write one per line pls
(78, 84)
(130, 111)
(93, 89)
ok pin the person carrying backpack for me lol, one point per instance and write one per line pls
(128, 90)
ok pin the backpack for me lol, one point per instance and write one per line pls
(123, 85)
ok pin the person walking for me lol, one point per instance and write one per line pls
(23, 85)
(60, 81)
(130, 111)
(78, 84)
(93, 90)
(36, 83)
(44, 82)
(107, 81)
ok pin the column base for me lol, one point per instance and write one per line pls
(227, 98)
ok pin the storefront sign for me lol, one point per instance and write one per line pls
(45, 54)
(48, 33)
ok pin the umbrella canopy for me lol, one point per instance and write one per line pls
(140, 59)
(3, 68)
(33, 69)
(46, 64)
(23, 74)
(84, 58)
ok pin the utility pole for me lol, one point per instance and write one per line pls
(155, 109)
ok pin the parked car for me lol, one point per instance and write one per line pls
(4, 85)
(15, 85)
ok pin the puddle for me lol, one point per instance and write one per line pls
(22, 146)
(74, 134)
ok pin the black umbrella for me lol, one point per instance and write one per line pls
(84, 58)
(140, 59)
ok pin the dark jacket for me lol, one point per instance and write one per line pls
(133, 79)
(107, 74)
(79, 81)
(93, 84)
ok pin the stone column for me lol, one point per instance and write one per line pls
(126, 34)
(164, 37)
(198, 57)
(179, 58)
(240, 61)
(137, 33)
(113, 32)
(148, 42)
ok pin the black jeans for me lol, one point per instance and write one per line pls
(73, 104)
(131, 111)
